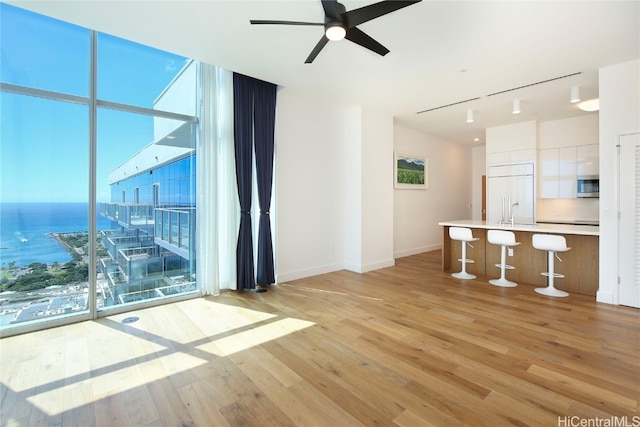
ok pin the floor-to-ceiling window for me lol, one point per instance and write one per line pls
(97, 173)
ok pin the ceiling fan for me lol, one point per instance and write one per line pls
(339, 24)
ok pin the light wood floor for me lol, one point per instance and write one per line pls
(406, 346)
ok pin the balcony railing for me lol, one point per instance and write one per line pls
(139, 263)
(114, 241)
(175, 228)
(155, 289)
(129, 215)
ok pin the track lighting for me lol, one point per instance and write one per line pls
(575, 94)
(516, 106)
(469, 116)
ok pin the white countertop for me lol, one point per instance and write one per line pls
(585, 230)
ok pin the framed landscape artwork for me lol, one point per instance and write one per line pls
(411, 171)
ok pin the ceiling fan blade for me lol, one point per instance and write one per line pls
(331, 9)
(266, 22)
(359, 37)
(367, 13)
(316, 50)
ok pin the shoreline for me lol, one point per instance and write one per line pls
(70, 250)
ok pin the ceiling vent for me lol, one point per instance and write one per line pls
(500, 92)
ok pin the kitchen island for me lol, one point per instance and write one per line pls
(579, 265)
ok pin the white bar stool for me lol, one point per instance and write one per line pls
(506, 239)
(465, 236)
(552, 243)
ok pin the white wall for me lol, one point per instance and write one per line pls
(334, 191)
(619, 113)
(417, 212)
(310, 193)
(377, 190)
(368, 190)
(353, 189)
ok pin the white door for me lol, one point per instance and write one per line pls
(629, 220)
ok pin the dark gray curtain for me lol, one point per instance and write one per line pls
(243, 136)
(264, 120)
(254, 122)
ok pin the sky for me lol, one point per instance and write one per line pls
(44, 153)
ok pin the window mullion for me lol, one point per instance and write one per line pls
(93, 138)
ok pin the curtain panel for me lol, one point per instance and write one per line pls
(265, 120)
(254, 124)
(217, 215)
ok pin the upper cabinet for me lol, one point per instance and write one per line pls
(568, 148)
(515, 156)
(557, 173)
(588, 159)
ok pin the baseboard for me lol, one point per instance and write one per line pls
(360, 268)
(301, 274)
(416, 251)
(605, 297)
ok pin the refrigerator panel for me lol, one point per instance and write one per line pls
(522, 193)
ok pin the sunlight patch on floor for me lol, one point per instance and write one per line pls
(244, 340)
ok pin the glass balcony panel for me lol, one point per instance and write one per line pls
(174, 239)
(185, 227)
(166, 223)
(158, 222)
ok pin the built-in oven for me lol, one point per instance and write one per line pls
(588, 186)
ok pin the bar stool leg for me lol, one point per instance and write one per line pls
(550, 290)
(502, 281)
(463, 274)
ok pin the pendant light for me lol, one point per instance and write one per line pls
(516, 106)
(575, 95)
(469, 116)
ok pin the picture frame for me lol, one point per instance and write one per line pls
(410, 171)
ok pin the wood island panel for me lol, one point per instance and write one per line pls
(528, 261)
(579, 265)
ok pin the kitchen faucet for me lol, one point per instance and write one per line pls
(511, 216)
(510, 206)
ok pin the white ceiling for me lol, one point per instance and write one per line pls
(442, 52)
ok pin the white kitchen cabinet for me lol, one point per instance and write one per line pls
(528, 155)
(588, 159)
(497, 158)
(557, 173)
(567, 176)
(548, 173)
(509, 157)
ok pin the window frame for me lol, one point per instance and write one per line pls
(94, 104)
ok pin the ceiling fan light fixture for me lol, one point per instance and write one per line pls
(335, 31)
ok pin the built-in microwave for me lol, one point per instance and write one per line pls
(588, 186)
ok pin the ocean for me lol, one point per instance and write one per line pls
(25, 231)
